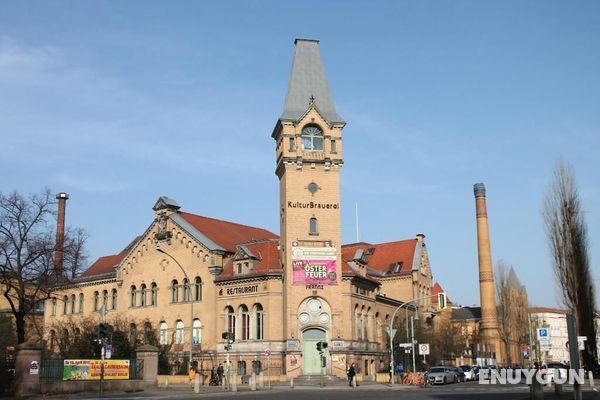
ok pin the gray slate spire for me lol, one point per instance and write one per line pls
(307, 84)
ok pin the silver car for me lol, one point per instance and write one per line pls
(442, 375)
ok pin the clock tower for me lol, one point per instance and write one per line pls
(308, 138)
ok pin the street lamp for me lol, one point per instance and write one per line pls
(190, 298)
(441, 302)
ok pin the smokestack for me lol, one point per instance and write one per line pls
(488, 327)
(60, 234)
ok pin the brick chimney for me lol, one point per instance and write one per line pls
(60, 234)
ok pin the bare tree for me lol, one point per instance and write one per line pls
(75, 253)
(26, 248)
(27, 245)
(511, 310)
(567, 234)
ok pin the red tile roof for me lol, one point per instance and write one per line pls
(267, 253)
(107, 264)
(384, 254)
(435, 290)
(226, 234)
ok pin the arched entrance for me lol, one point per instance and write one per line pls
(310, 354)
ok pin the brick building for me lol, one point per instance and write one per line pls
(189, 278)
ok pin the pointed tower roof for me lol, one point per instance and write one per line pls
(308, 85)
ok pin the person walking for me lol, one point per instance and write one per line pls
(220, 373)
(351, 374)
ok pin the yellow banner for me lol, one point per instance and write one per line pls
(89, 370)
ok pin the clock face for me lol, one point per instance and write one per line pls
(313, 187)
(314, 305)
(303, 318)
(324, 318)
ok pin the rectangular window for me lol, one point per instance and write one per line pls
(259, 325)
(333, 146)
(292, 144)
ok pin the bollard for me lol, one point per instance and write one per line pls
(261, 380)
(536, 391)
(354, 381)
(197, 383)
(291, 382)
(591, 379)
(234, 383)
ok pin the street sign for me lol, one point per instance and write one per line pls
(405, 345)
(544, 347)
(392, 332)
(543, 334)
(424, 349)
(268, 353)
(581, 342)
(107, 351)
(34, 368)
(525, 354)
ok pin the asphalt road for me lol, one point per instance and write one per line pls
(467, 391)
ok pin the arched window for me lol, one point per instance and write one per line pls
(186, 290)
(245, 322)
(174, 291)
(96, 299)
(258, 321)
(312, 138)
(77, 333)
(179, 332)
(113, 304)
(65, 304)
(197, 289)
(153, 294)
(313, 227)
(241, 365)
(53, 311)
(148, 336)
(163, 332)
(143, 295)
(132, 294)
(53, 339)
(73, 302)
(105, 299)
(80, 303)
(230, 317)
(132, 334)
(197, 331)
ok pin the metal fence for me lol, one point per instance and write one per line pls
(7, 376)
(52, 369)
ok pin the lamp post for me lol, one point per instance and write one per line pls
(391, 330)
(190, 298)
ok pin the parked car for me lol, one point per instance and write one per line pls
(442, 375)
(476, 369)
(469, 372)
(556, 370)
(460, 374)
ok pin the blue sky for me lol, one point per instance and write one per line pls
(118, 103)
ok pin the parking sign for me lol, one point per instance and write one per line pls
(543, 334)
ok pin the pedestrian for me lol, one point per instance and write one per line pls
(220, 373)
(351, 374)
(192, 375)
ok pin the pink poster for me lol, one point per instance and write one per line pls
(314, 266)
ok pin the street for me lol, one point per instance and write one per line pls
(468, 390)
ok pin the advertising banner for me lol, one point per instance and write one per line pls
(89, 370)
(314, 265)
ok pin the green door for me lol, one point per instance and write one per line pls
(310, 354)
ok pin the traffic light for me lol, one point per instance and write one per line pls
(321, 346)
(229, 337)
(103, 330)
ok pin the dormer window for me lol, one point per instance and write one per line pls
(239, 268)
(312, 138)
